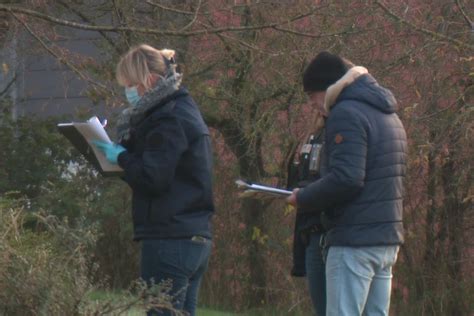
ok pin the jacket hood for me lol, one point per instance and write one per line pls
(358, 85)
(366, 89)
(333, 91)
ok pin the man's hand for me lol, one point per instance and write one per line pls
(292, 198)
(110, 150)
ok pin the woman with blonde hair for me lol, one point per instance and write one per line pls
(165, 151)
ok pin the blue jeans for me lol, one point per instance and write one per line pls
(315, 272)
(359, 280)
(183, 261)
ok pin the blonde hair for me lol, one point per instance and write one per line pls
(136, 66)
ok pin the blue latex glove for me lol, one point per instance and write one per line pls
(110, 150)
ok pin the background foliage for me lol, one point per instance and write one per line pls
(242, 61)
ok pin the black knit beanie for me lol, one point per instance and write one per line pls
(324, 70)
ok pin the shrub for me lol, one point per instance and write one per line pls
(60, 181)
(44, 270)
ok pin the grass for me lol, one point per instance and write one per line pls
(101, 297)
(200, 312)
(210, 312)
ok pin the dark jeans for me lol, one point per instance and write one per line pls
(316, 274)
(183, 261)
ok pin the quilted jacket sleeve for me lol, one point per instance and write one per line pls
(346, 141)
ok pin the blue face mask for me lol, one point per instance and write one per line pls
(132, 95)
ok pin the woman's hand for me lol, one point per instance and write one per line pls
(110, 150)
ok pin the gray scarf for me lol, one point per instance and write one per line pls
(132, 115)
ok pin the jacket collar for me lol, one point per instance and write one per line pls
(336, 88)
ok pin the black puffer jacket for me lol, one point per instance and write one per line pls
(363, 188)
(299, 176)
(168, 165)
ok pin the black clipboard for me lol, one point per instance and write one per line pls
(81, 135)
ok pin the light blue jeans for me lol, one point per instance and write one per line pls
(359, 280)
(183, 261)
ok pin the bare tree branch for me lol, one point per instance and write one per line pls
(311, 35)
(234, 39)
(4, 91)
(108, 28)
(86, 19)
(464, 14)
(194, 17)
(421, 29)
(154, 4)
(122, 21)
(61, 58)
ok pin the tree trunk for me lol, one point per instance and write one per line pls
(455, 217)
(256, 285)
(253, 211)
(430, 262)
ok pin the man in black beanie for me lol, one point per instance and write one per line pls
(359, 195)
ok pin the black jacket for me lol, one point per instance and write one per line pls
(299, 176)
(168, 165)
(362, 191)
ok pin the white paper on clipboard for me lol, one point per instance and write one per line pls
(241, 184)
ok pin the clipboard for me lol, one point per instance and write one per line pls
(241, 184)
(81, 135)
